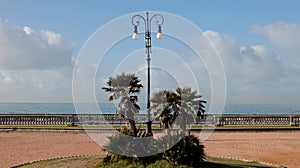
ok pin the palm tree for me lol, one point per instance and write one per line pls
(190, 104)
(163, 102)
(123, 87)
(180, 105)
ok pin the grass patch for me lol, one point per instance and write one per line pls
(74, 162)
(215, 162)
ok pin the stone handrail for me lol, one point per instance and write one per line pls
(35, 119)
(259, 119)
(104, 119)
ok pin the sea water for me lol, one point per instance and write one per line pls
(110, 108)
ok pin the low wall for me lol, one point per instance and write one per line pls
(104, 119)
(259, 119)
(35, 119)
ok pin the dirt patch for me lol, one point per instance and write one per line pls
(281, 148)
(21, 147)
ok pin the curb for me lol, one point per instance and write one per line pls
(247, 160)
(63, 157)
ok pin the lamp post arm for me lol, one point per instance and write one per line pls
(159, 19)
(135, 20)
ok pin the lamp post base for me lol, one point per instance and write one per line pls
(148, 128)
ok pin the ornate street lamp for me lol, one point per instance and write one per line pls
(159, 20)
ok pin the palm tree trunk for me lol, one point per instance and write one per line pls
(183, 126)
(133, 127)
(183, 123)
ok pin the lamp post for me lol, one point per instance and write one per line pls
(159, 20)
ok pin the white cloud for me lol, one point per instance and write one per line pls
(241, 63)
(8, 78)
(257, 74)
(52, 38)
(37, 66)
(28, 30)
(24, 48)
(34, 86)
(260, 64)
(34, 65)
(284, 36)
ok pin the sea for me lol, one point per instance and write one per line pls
(110, 108)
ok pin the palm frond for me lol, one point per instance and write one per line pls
(183, 103)
(106, 89)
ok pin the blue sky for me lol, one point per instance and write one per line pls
(243, 31)
(77, 20)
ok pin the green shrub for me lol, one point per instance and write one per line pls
(188, 151)
(124, 147)
(178, 149)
